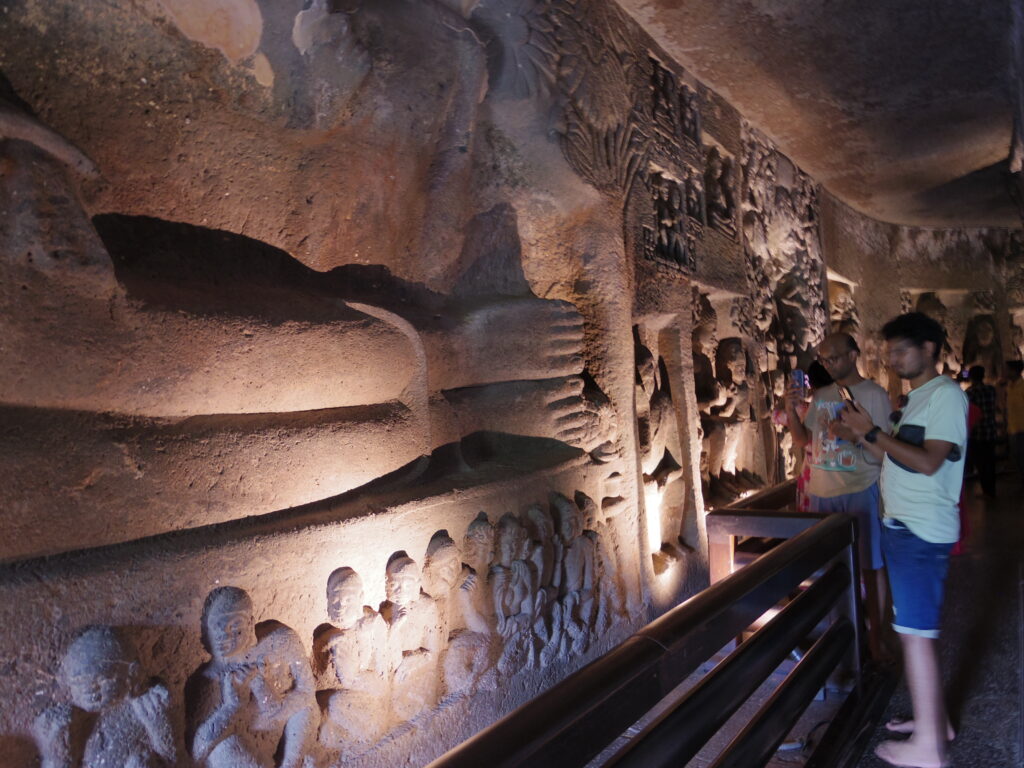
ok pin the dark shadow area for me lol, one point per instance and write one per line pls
(981, 193)
(179, 266)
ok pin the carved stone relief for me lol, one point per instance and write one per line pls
(720, 187)
(255, 698)
(115, 717)
(983, 347)
(661, 452)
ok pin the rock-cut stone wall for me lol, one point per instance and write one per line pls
(370, 366)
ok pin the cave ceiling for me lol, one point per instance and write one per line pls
(901, 108)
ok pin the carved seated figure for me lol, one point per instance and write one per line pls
(113, 719)
(352, 652)
(255, 698)
(414, 639)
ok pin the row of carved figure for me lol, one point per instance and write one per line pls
(517, 595)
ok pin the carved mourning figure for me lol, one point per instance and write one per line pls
(719, 191)
(352, 653)
(982, 347)
(515, 594)
(441, 568)
(114, 719)
(546, 556)
(577, 593)
(414, 638)
(611, 590)
(468, 662)
(253, 703)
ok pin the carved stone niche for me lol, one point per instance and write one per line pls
(982, 346)
(674, 109)
(844, 316)
(670, 238)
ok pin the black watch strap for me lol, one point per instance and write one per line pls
(872, 434)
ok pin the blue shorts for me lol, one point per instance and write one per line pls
(917, 578)
(862, 505)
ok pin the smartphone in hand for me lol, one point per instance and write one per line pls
(845, 393)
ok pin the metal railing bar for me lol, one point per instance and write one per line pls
(545, 729)
(573, 721)
(752, 590)
(759, 523)
(683, 731)
(754, 746)
(851, 729)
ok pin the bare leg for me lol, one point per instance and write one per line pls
(926, 748)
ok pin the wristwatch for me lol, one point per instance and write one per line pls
(872, 434)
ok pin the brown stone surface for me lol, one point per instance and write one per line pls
(901, 109)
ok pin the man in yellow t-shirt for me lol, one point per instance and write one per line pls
(1015, 413)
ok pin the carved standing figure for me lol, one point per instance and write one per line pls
(113, 720)
(577, 592)
(352, 652)
(414, 638)
(255, 698)
(514, 591)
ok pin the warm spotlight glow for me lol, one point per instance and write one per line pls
(653, 497)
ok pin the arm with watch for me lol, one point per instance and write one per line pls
(856, 426)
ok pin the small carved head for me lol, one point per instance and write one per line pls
(542, 527)
(479, 543)
(402, 579)
(731, 361)
(100, 668)
(511, 539)
(344, 597)
(229, 627)
(570, 521)
(442, 565)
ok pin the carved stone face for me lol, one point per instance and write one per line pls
(479, 545)
(444, 568)
(231, 634)
(402, 585)
(97, 670)
(985, 333)
(98, 684)
(571, 524)
(345, 601)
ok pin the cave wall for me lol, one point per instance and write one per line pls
(486, 302)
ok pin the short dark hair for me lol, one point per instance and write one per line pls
(818, 375)
(917, 328)
(976, 373)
